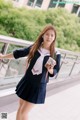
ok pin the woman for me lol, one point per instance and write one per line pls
(32, 87)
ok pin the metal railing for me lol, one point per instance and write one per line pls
(11, 68)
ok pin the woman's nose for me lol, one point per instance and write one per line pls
(49, 37)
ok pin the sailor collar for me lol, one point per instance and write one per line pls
(37, 68)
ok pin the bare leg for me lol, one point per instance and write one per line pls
(18, 112)
(17, 116)
(25, 109)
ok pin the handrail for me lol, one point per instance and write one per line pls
(21, 42)
(65, 60)
(15, 41)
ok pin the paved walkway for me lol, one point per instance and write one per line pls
(64, 105)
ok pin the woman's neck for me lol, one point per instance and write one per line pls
(45, 46)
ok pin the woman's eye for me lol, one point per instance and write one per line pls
(47, 34)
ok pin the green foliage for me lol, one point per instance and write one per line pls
(5, 5)
(27, 24)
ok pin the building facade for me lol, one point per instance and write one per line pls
(72, 6)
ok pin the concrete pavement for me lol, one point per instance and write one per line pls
(64, 105)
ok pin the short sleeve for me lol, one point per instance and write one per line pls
(21, 52)
(57, 66)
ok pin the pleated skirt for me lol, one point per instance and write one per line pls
(31, 92)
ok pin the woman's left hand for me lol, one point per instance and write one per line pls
(49, 68)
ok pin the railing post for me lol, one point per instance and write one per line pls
(60, 66)
(4, 51)
(5, 48)
(73, 66)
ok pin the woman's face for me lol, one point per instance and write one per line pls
(49, 36)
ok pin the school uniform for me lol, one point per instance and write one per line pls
(32, 86)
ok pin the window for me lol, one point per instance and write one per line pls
(53, 3)
(62, 3)
(75, 8)
(39, 3)
(35, 3)
(30, 2)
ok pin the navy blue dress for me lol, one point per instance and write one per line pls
(32, 88)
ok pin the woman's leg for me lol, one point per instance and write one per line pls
(25, 109)
(21, 101)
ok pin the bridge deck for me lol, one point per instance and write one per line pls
(62, 103)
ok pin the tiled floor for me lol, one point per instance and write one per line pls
(62, 106)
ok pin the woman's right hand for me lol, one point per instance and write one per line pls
(1, 56)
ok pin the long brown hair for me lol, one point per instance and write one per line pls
(39, 41)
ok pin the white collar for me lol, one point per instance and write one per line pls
(37, 68)
(43, 51)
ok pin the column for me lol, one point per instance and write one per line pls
(45, 4)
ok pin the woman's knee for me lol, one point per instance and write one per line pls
(26, 107)
(21, 101)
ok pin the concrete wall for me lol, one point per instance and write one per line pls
(69, 7)
(45, 4)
